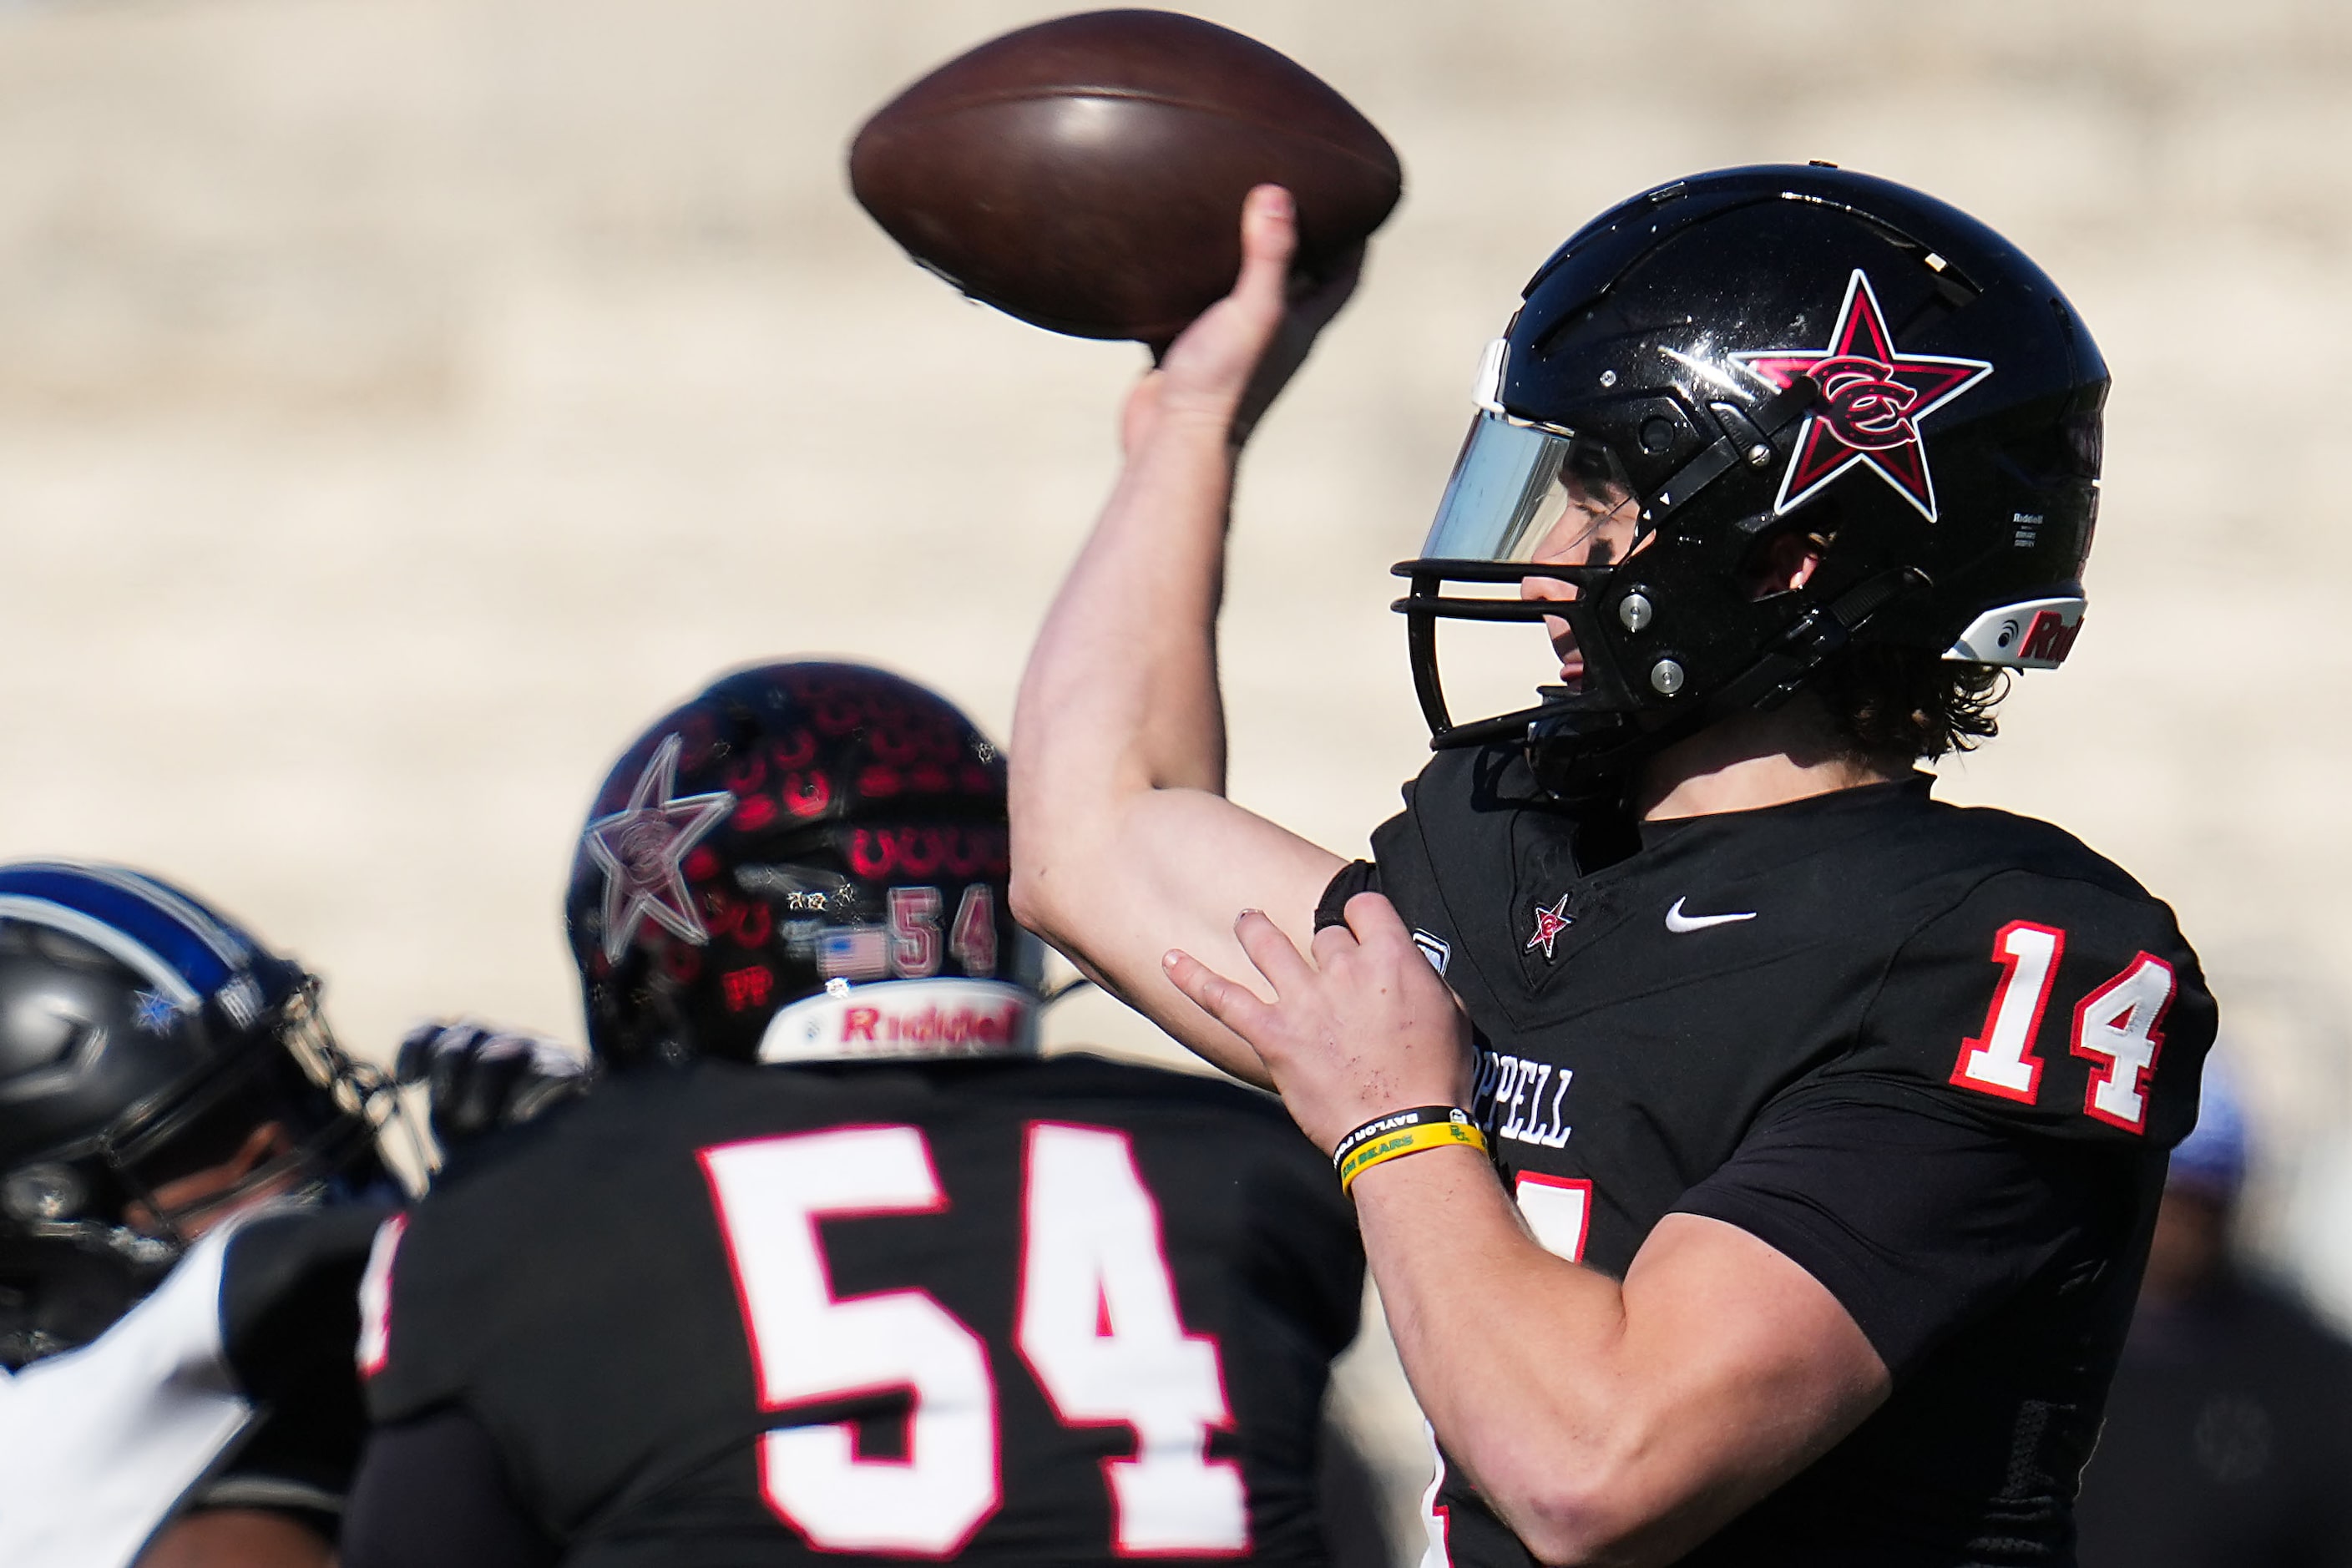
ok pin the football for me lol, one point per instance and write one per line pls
(1086, 173)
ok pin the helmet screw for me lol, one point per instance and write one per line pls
(43, 1194)
(1665, 677)
(1759, 456)
(1608, 378)
(1633, 610)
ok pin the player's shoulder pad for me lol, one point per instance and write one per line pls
(434, 1293)
(1208, 1124)
(1079, 1075)
(2048, 991)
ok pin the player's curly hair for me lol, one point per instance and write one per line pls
(1895, 703)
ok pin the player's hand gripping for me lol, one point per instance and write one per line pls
(1226, 368)
(1367, 1028)
(480, 1077)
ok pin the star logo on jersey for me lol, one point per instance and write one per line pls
(643, 849)
(1549, 923)
(1872, 398)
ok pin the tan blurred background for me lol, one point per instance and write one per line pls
(401, 400)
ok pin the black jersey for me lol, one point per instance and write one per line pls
(289, 1311)
(1934, 1056)
(1049, 1311)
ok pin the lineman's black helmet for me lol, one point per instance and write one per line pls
(807, 862)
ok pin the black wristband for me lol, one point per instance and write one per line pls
(1396, 1121)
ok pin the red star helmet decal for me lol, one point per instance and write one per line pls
(643, 849)
(1872, 398)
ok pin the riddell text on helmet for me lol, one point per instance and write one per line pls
(947, 1028)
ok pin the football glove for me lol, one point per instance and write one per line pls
(480, 1077)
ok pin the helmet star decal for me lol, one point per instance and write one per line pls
(1872, 400)
(643, 849)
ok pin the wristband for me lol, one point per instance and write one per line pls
(1402, 1132)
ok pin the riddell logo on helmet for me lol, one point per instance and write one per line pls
(945, 1027)
(2049, 639)
(903, 1018)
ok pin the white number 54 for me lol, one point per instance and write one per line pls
(1098, 1326)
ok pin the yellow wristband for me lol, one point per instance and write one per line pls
(1407, 1141)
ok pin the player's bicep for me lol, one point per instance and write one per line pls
(1751, 1368)
(1173, 869)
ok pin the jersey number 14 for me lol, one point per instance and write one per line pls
(2119, 1028)
(1097, 1325)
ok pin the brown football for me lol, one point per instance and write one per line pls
(1086, 173)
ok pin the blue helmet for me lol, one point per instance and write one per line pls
(2213, 1159)
(144, 1038)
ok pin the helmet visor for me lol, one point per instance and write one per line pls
(1521, 492)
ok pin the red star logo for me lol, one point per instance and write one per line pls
(1549, 923)
(1872, 398)
(643, 849)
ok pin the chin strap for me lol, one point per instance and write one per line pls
(1589, 759)
(1819, 635)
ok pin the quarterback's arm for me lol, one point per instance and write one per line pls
(1605, 1421)
(1123, 842)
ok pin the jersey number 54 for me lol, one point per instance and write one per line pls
(1097, 1325)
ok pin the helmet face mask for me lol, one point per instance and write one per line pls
(1738, 357)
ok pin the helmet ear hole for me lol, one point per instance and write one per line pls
(1782, 558)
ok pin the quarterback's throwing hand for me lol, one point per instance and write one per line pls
(1367, 1028)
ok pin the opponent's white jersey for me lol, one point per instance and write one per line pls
(99, 1445)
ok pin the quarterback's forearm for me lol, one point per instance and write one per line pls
(1123, 845)
(1120, 693)
(1605, 1423)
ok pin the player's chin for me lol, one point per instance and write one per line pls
(1571, 661)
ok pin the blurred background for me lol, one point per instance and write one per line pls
(401, 401)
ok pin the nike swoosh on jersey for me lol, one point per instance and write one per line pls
(1679, 922)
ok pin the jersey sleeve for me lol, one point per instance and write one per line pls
(1355, 877)
(1920, 1218)
(1997, 1117)
(2065, 1007)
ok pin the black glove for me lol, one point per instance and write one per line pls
(483, 1078)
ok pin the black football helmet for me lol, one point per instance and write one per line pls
(143, 1037)
(807, 862)
(1724, 359)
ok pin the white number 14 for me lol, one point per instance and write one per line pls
(1098, 1326)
